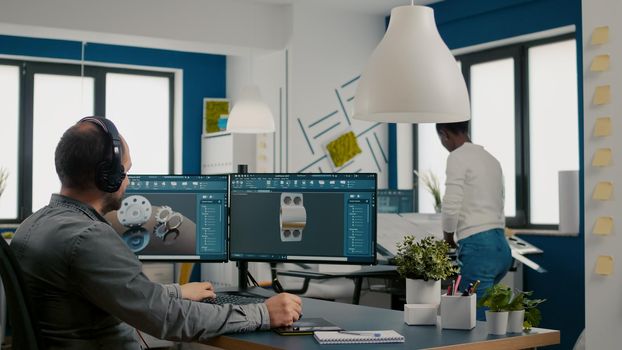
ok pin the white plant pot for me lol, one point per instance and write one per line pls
(423, 292)
(497, 322)
(515, 321)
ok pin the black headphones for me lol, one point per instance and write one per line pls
(110, 172)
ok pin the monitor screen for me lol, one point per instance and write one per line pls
(174, 217)
(328, 218)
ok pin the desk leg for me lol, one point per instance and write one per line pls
(358, 283)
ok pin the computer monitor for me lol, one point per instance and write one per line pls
(174, 217)
(323, 218)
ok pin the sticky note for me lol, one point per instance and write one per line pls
(604, 265)
(602, 157)
(600, 35)
(602, 95)
(603, 226)
(603, 191)
(602, 127)
(600, 63)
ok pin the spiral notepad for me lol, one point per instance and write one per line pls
(356, 337)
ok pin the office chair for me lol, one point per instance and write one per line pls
(25, 331)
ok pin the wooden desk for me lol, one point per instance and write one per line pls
(355, 317)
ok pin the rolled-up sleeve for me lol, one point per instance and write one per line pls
(454, 193)
(110, 276)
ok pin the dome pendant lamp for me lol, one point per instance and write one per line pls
(412, 76)
(250, 114)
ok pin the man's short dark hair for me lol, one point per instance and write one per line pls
(455, 128)
(81, 148)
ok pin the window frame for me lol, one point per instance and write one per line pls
(519, 52)
(28, 69)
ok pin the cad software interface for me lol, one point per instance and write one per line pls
(174, 217)
(303, 217)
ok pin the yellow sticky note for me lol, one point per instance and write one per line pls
(602, 127)
(604, 265)
(603, 226)
(603, 191)
(602, 157)
(602, 95)
(600, 35)
(600, 63)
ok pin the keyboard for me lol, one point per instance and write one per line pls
(235, 299)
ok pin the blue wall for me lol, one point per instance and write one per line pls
(467, 23)
(204, 75)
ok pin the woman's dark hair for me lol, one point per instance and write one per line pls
(81, 148)
(454, 128)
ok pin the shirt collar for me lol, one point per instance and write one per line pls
(68, 202)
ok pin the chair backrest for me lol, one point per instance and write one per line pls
(25, 331)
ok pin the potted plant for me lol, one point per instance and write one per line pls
(423, 264)
(496, 299)
(523, 312)
(432, 185)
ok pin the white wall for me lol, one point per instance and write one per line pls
(216, 26)
(327, 50)
(603, 294)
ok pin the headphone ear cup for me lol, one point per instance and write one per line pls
(107, 179)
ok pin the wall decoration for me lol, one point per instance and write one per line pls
(213, 109)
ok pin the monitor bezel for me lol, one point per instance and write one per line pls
(373, 261)
(178, 258)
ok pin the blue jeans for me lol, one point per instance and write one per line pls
(486, 257)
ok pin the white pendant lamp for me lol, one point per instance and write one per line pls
(250, 115)
(412, 76)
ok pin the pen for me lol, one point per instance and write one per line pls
(457, 284)
(361, 333)
(475, 286)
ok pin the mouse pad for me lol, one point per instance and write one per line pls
(307, 327)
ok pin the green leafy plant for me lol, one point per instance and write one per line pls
(496, 298)
(532, 313)
(432, 185)
(425, 259)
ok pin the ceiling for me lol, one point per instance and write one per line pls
(375, 7)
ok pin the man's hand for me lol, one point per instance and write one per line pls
(284, 309)
(449, 238)
(197, 291)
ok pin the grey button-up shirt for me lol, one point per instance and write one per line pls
(88, 288)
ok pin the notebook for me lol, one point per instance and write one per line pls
(358, 337)
(307, 327)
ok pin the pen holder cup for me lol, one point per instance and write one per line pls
(420, 314)
(458, 312)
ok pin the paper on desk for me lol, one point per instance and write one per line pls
(602, 157)
(600, 35)
(600, 63)
(603, 225)
(393, 227)
(604, 265)
(602, 127)
(603, 191)
(602, 95)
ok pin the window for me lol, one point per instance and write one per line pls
(9, 134)
(519, 93)
(41, 100)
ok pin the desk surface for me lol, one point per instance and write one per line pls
(355, 317)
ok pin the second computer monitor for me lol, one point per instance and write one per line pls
(327, 218)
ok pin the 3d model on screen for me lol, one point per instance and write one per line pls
(293, 218)
(167, 223)
(136, 211)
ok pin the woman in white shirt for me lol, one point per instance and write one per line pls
(472, 209)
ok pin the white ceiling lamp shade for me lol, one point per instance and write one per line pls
(250, 114)
(412, 77)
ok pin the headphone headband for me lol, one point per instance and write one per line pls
(110, 172)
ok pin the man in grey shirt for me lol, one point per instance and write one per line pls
(88, 288)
